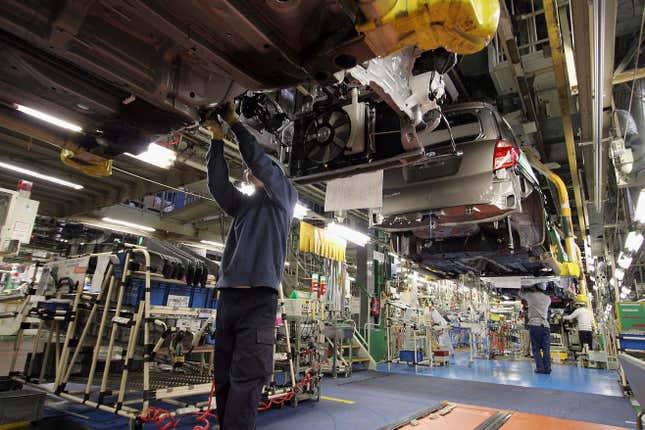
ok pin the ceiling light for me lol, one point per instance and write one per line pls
(156, 155)
(128, 224)
(348, 234)
(49, 118)
(619, 274)
(300, 210)
(634, 241)
(37, 175)
(212, 243)
(246, 188)
(639, 214)
(287, 264)
(624, 260)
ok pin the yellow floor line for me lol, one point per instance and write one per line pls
(17, 425)
(334, 399)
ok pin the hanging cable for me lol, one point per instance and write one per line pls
(163, 185)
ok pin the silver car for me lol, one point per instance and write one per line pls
(474, 206)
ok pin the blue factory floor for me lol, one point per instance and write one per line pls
(519, 373)
(369, 400)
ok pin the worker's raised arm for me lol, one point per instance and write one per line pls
(227, 196)
(276, 184)
(573, 315)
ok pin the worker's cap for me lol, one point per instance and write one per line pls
(581, 299)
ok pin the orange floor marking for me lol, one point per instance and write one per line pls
(465, 417)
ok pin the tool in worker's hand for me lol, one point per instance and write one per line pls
(212, 119)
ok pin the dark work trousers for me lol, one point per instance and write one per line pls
(585, 337)
(244, 337)
(541, 347)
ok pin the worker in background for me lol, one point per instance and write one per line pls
(250, 272)
(539, 328)
(434, 316)
(440, 324)
(584, 318)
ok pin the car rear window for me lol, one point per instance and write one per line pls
(466, 126)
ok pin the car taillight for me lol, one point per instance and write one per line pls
(506, 155)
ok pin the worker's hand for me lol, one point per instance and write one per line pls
(215, 128)
(228, 113)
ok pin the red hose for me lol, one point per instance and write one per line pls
(164, 420)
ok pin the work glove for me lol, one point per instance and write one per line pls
(214, 120)
(228, 113)
(215, 128)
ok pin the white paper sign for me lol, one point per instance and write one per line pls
(355, 192)
(178, 301)
(379, 256)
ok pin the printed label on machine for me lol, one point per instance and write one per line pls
(187, 324)
(178, 301)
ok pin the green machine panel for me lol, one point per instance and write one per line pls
(631, 316)
(378, 344)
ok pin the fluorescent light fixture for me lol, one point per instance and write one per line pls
(300, 210)
(127, 224)
(246, 188)
(37, 175)
(348, 234)
(624, 260)
(156, 155)
(619, 274)
(48, 118)
(212, 243)
(634, 241)
(639, 214)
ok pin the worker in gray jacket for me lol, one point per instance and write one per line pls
(538, 303)
(250, 273)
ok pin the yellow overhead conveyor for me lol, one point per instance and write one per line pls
(460, 26)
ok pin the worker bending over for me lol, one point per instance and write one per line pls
(250, 273)
(584, 318)
(538, 303)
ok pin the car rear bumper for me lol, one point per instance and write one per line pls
(470, 199)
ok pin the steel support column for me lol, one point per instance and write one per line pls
(555, 42)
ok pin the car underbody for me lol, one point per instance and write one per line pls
(133, 72)
(326, 99)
